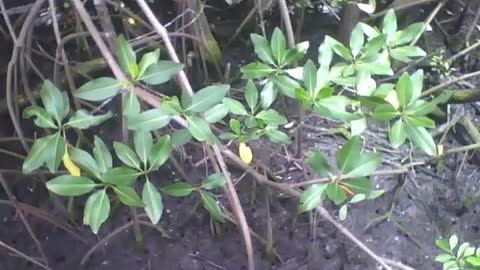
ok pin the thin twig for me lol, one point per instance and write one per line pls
(322, 211)
(399, 7)
(183, 80)
(473, 26)
(19, 210)
(8, 22)
(429, 20)
(439, 87)
(464, 51)
(25, 256)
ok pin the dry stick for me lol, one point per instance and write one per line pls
(291, 44)
(464, 51)
(8, 22)
(287, 22)
(400, 7)
(322, 211)
(183, 80)
(429, 20)
(10, 70)
(12, 198)
(66, 66)
(149, 98)
(25, 256)
(445, 84)
(115, 68)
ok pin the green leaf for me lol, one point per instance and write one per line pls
(422, 139)
(213, 181)
(126, 57)
(404, 54)
(397, 134)
(389, 24)
(417, 85)
(228, 136)
(143, 142)
(217, 113)
(180, 137)
(453, 241)
(180, 189)
(325, 53)
(82, 119)
(357, 39)
(422, 107)
(357, 127)
(358, 198)
(148, 120)
(376, 68)
(365, 84)
(251, 95)
(348, 156)
(234, 106)
(56, 149)
(126, 155)
(342, 213)
(160, 151)
(302, 95)
(462, 248)
(208, 97)
(277, 136)
(385, 112)
(310, 78)
(286, 85)
(234, 125)
(318, 163)
(211, 205)
(341, 50)
(131, 105)
(256, 70)
(128, 196)
(152, 199)
(295, 54)
(121, 176)
(102, 155)
(335, 193)
(262, 49)
(200, 129)
(370, 31)
(42, 118)
(271, 117)
(359, 185)
(475, 261)
(278, 44)
(407, 35)
(311, 197)
(366, 165)
(373, 47)
(420, 121)
(97, 209)
(99, 89)
(84, 160)
(268, 95)
(148, 59)
(442, 244)
(68, 185)
(53, 101)
(334, 107)
(161, 72)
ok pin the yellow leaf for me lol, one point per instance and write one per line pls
(73, 169)
(245, 153)
(392, 99)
